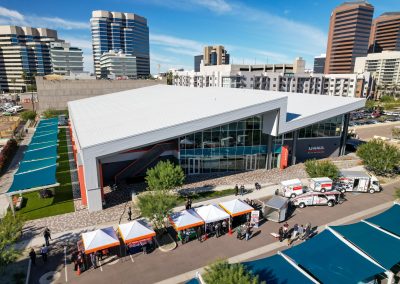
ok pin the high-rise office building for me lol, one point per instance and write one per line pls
(349, 30)
(65, 59)
(215, 55)
(197, 62)
(385, 33)
(319, 64)
(26, 52)
(127, 32)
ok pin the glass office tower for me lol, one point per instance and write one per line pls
(124, 32)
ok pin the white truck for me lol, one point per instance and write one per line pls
(311, 198)
(321, 184)
(291, 188)
(357, 181)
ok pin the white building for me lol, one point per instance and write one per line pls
(65, 59)
(118, 65)
(384, 67)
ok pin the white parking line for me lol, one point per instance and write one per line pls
(65, 264)
(101, 268)
(131, 258)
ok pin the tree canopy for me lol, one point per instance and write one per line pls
(165, 176)
(222, 272)
(10, 231)
(28, 115)
(323, 168)
(379, 157)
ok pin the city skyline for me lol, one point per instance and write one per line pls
(179, 29)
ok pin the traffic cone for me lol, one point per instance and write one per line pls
(78, 272)
(230, 231)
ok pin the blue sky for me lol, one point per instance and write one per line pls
(264, 31)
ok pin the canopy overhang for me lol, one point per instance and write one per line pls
(212, 213)
(236, 207)
(100, 239)
(135, 231)
(185, 219)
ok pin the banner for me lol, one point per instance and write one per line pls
(255, 218)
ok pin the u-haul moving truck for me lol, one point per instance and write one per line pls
(357, 181)
(321, 184)
(291, 188)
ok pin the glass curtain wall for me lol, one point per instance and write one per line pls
(236, 146)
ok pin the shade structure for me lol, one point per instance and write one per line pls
(135, 231)
(185, 219)
(382, 247)
(45, 137)
(100, 239)
(211, 213)
(26, 166)
(34, 146)
(276, 270)
(332, 261)
(388, 220)
(40, 153)
(236, 207)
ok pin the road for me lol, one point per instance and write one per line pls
(158, 265)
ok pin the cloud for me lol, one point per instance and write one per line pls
(88, 62)
(218, 6)
(13, 17)
(79, 42)
(176, 42)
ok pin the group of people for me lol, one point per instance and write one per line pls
(244, 232)
(80, 261)
(44, 250)
(298, 232)
(239, 190)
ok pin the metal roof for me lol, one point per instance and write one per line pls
(355, 174)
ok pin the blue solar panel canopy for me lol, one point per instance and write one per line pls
(45, 137)
(34, 179)
(388, 220)
(332, 261)
(276, 270)
(34, 146)
(40, 153)
(382, 247)
(36, 164)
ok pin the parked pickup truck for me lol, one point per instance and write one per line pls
(311, 198)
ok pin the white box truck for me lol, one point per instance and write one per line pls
(321, 184)
(291, 188)
(357, 181)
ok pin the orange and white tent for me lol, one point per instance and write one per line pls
(236, 207)
(185, 219)
(135, 231)
(100, 239)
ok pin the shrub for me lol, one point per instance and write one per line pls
(49, 113)
(28, 115)
(395, 132)
(379, 157)
(7, 153)
(10, 231)
(387, 99)
(222, 272)
(323, 168)
(165, 176)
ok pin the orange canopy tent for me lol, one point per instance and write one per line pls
(100, 239)
(185, 219)
(135, 231)
(236, 207)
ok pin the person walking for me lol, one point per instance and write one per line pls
(236, 190)
(248, 232)
(32, 256)
(93, 260)
(47, 236)
(280, 232)
(43, 252)
(129, 214)
(242, 190)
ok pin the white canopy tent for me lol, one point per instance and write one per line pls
(185, 219)
(135, 231)
(100, 239)
(236, 207)
(211, 213)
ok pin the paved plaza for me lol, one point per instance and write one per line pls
(173, 267)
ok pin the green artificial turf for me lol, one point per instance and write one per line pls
(34, 207)
(201, 196)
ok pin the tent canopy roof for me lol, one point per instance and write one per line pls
(276, 269)
(382, 247)
(135, 231)
(185, 219)
(100, 239)
(236, 207)
(277, 202)
(211, 213)
(388, 220)
(341, 264)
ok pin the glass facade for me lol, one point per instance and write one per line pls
(328, 128)
(236, 146)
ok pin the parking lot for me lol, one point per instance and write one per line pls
(158, 265)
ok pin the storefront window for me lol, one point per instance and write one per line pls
(328, 128)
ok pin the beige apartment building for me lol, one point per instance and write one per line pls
(385, 33)
(215, 55)
(348, 37)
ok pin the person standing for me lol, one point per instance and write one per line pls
(32, 255)
(47, 236)
(285, 230)
(190, 203)
(242, 190)
(224, 227)
(93, 260)
(43, 252)
(199, 234)
(280, 232)
(248, 232)
(129, 214)
(236, 190)
(301, 232)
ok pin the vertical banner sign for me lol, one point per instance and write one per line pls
(284, 157)
(255, 218)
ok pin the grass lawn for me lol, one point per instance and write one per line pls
(35, 207)
(202, 196)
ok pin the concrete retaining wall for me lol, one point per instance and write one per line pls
(55, 94)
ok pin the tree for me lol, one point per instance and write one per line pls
(10, 231)
(169, 78)
(222, 272)
(28, 115)
(323, 168)
(156, 205)
(379, 157)
(165, 176)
